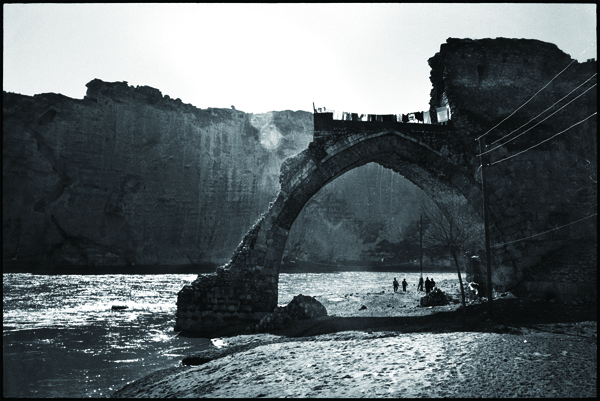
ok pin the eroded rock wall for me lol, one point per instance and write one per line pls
(129, 176)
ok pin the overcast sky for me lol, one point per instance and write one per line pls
(366, 58)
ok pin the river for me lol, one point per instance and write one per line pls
(61, 337)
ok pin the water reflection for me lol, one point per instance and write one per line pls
(61, 337)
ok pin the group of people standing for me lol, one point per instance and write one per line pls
(429, 284)
(396, 285)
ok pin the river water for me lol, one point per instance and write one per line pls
(61, 337)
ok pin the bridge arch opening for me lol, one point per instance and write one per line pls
(349, 219)
(366, 220)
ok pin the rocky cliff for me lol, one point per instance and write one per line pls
(128, 176)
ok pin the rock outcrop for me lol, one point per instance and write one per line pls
(128, 176)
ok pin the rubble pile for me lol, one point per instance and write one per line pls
(435, 298)
(301, 307)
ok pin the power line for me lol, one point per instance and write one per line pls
(528, 129)
(497, 140)
(519, 108)
(535, 235)
(545, 140)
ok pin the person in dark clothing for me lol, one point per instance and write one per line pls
(404, 118)
(432, 284)
(395, 285)
(420, 286)
(427, 285)
(404, 284)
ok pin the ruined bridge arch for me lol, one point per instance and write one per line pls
(542, 225)
(245, 289)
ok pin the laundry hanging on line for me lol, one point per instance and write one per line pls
(426, 117)
(443, 114)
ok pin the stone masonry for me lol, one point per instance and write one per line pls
(482, 81)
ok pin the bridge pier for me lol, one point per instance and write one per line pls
(241, 292)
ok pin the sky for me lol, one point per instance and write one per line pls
(363, 58)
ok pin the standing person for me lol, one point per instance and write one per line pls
(420, 286)
(427, 285)
(395, 285)
(432, 284)
(404, 284)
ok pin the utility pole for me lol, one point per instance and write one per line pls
(488, 256)
(421, 244)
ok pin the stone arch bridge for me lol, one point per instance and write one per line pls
(467, 77)
(245, 289)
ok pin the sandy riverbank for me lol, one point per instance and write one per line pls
(394, 348)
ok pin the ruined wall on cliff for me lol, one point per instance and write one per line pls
(129, 176)
(546, 187)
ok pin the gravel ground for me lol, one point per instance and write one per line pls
(394, 348)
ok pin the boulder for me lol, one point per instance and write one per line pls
(301, 307)
(305, 307)
(434, 298)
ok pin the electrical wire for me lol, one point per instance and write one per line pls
(519, 108)
(528, 129)
(545, 140)
(497, 140)
(554, 229)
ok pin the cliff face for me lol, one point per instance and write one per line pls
(129, 176)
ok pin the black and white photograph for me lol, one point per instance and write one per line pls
(299, 200)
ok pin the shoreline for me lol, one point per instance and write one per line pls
(357, 364)
(350, 337)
